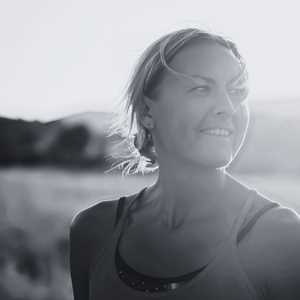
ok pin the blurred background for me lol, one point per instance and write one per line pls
(64, 67)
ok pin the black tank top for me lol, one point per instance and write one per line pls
(143, 282)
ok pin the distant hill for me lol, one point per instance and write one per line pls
(97, 122)
(272, 143)
(79, 140)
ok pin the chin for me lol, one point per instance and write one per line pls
(212, 162)
(218, 164)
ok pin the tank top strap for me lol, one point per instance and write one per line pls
(242, 215)
(123, 207)
(259, 208)
(120, 208)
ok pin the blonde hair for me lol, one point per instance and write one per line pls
(136, 153)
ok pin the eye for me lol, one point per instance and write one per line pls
(200, 88)
(239, 91)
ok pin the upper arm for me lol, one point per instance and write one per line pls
(271, 253)
(283, 261)
(78, 256)
(88, 230)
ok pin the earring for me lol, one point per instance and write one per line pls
(148, 149)
(148, 123)
(139, 138)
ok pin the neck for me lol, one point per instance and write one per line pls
(188, 194)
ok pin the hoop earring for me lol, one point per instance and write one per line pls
(139, 139)
(143, 141)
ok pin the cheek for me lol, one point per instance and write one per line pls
(241, 122)
(242, 117)
(174, 123)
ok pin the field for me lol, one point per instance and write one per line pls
(36, 208)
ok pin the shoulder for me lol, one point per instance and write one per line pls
(91, 225)
(279, 220)
(277, 229)
(88, 229)
(271, 252)
(274, 222)
(93, 214)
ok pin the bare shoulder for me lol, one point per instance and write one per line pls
(281, 219)
(88, 230)
(270, 253)
(92, 213)
(88, 224)
(278, 229)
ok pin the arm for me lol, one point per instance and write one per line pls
(79, 257)
(282, 254)
(85, 241)
(270, 255)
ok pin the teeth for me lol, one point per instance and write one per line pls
(218, 131)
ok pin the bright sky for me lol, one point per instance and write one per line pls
(59, 57)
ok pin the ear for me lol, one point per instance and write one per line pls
(147, 114)
(149, 103)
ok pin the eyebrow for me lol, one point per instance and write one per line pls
(242, 76)
(203, 77)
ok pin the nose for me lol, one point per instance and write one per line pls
(224, 105)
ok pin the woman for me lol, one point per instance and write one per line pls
(197, 232)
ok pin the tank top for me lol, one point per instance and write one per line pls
(222, 277)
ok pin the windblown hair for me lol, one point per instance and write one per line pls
(136, 151)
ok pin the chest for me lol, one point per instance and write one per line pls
(152, 250)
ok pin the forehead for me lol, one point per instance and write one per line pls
(207, 58)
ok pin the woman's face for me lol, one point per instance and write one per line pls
(185, 107)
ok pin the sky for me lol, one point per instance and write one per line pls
(62, 57)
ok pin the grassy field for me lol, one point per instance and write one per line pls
(36, 208)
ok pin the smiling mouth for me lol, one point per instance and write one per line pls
(219, 132)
